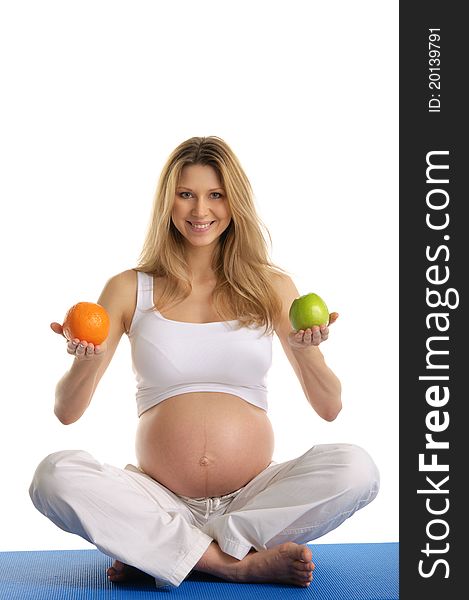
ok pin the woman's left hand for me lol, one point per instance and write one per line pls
(304, 338)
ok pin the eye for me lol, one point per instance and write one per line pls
(216, 195)
(183, 195)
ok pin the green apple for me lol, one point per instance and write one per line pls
(307, 311)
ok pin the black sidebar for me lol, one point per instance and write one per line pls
(433, 260)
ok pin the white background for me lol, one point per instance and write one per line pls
(95, 95)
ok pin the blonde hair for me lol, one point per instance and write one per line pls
(241, 261)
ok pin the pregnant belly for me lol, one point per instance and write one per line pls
(204, 444)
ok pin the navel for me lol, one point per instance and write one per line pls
(203, 462)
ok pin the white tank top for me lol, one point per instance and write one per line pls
(174, 357)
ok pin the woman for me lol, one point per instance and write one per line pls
(200, 312)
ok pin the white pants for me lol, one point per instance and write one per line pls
(133, 518)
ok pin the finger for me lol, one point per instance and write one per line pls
(316, 337)
(100, 348)
(324, 332)
(57, 328)
(307, 336)
(333, 317)
(89, 350)
(299, 335)
(72, 346)
(80, 349)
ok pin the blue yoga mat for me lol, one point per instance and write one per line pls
(343, 572)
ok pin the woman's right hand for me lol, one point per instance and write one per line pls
(81, 349)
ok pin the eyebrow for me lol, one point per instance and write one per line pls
(180, 187)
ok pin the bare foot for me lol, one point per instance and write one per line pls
(120, 572)
(288, 563)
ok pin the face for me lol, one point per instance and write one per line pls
(200, 211)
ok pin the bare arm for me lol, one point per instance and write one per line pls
(76, 388)
(320, 385)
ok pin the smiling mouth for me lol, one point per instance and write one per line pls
(200, 226)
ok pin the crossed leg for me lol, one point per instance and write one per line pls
(288, 563)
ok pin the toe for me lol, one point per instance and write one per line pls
(306, 554)
(303, 567)
(117, 571)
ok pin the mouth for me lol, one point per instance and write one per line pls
(200, 227)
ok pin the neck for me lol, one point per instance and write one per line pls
(199, 261)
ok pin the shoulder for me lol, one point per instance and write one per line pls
(119, 294)
(121, 286)
(286, 291)
(285, 287)
(123, 282)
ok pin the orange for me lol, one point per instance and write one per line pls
(87, 321)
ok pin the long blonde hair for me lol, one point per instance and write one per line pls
(241, 261)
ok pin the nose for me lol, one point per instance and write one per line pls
(200, 208)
